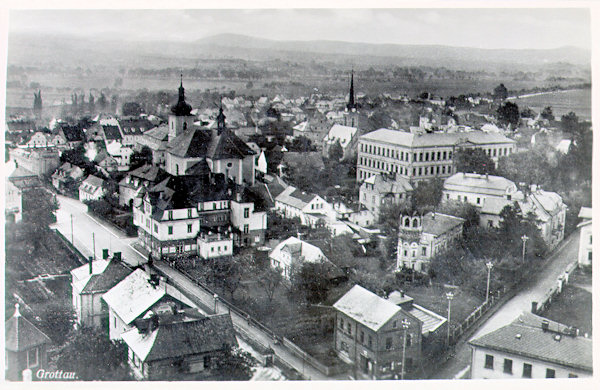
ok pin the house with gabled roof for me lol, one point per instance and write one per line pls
(311, 209)
(156, 139)
(369, 335)
(289, 255)
(585, 236)
(135, 181)
(26, 347)
(67, 176)
(383, 189)
(89, 282)
(92, 188)
(135, 295)
(531, 347)
(179, 346)
(345, 136)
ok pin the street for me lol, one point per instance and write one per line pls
(106, 236)
(565, 254)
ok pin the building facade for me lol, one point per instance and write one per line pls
(420, 155)
(585, 236)
(383, 189)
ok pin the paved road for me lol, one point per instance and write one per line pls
(108, 237)
(531, 292)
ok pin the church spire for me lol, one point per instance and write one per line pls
(181, 108)
(351, 105)
(181, 89)
(221, 118)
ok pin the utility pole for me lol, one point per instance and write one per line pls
(72, 243)
(449, 296)
(94, 245)
(489, 266)
(524, 238)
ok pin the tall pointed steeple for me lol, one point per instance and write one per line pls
(351, 105)
(181, 89)
(181, 108)
(221, 118)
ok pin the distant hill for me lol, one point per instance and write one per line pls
(48, 50)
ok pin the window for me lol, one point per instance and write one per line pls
(394, 324)
(370, 342)
(489, 362)
(550, 373)
(590, 239)
(212, 248)
(32, 358)
(170, 229)
(189, 213)
(349, 328)
(155, 228)
(214, 206)
(423, 251)
(388, 343)
(508, 366)
(408, 339)
(341, 323)
(170, 214)
(246, 229)
(247, 212)
(478, 200)
(206, 361)
(189, 228)
(571, 375)
(362, 337)
(526, 370)
(590, 255)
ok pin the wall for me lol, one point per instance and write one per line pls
(585, 245)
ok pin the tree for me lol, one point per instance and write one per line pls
(428, 193)
(474, 160)
(500, 92)
(336, 152)
(102, 102)
(234, 365)
(91, 103)
(569, 123)
(508, 114)
(56, 321)
(271, 279)
(309, 282)
(91, 354)
(547, 113)
(131, 109)
(39, 207)
(141, 158)
(527, 113)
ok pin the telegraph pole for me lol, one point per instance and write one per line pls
(94, 245)
(72, 243)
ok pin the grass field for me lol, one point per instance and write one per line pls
(562, 102)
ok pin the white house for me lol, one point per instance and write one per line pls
(290, 254)
(531, 347)
(131, 298)
(91, 188)
(383, 189)
(585, 236)
(346, 136)
(248, 218)
(310, 208)
(89, 282)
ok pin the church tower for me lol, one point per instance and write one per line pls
(180, 118)
(351, 113)
(221, 120)
(410, 228)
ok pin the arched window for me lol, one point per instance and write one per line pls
(406, 222)
(184, 125)
(415, 222)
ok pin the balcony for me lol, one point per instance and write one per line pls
(214, 237)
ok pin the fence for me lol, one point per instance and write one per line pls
(293, 348)
(538, 307)
(82, 259)
(476, 314)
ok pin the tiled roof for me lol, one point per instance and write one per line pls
(93, 181)
(185, 338)
(367, 308)
(21, 335)
(524, 337)
(293, 197)
(385, 184)
(72, 133)
(148, 172)
(342, 133)
(431, 321)
(134, 126)
(403, 138)
(585, 212)
(197, 143)
(104, 276)
(437, 224)
(160, 133)
(112, 132)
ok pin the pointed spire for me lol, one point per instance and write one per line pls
(17, 312)
(351, 105)
(181, 90)
(221, 117)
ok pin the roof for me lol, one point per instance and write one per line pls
(147, 172)
(197, 143)
(367, 308)
(160, 133)
(494, 206)
(403, 138)
(184, 338)
(134, 295)
(525, 337)
(298, 249)
(585, 212)
(342, 133)
(21, 335)
(111, 132)
(72, 133)
(430, 320)
(93, 181)
(134, 126)
(438, 224)
(479, 184)
(294, 197)
(105, 275)
(386, 184)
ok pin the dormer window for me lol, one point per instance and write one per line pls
(170, 214)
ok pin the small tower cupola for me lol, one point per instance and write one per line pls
(181, 108)
(221, 119)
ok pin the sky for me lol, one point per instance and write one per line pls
(516, 28)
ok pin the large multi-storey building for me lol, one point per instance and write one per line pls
(585, 236)
(419, 155)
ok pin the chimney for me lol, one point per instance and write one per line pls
(117, 256)
(402, 293)
(16, 163)
(90, 262)
(545, 325)
(105, 253)
(163, 282)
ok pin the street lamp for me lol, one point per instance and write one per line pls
(449, 297)
(405, 325)
(216, 297)
(489, 266)
(524, 238)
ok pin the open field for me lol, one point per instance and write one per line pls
(562, 102)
